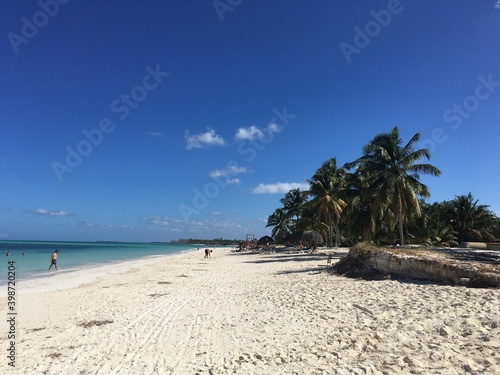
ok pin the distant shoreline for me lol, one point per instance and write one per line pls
(77, 255)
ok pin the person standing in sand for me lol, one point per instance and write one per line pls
(53, 260)
(207, 253)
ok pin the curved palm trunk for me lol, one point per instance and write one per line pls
(336, 233)
(330, 230)
(400, 217)
(401, 236)
(401, 233)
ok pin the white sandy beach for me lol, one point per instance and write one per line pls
(240, 313)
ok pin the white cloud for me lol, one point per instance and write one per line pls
(253, 132)
(44, 212)
(250, 133)
(154, 134)
(200, 140)
(231, 170)
(497, 5)
(86, 223)
(217, 173)
(274, 128)
(159, 220)
(234, 169)
(163, 224)
(279, 187)
(168, 224)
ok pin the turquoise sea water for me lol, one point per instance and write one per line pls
(75, 255)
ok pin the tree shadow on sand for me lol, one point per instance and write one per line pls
(291, 258)
(298, 257)
(485, 257)
(312, 271)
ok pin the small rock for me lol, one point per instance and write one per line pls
(435, 356)
(408, 361)
(443, 331)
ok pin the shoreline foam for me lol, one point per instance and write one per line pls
(72, 278)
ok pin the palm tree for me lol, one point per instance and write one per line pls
(309, 220)
(432, 228)
(281, 223)
(360, 216)
(472, 221)
(326, 192)
(293, 203)
(392, 175)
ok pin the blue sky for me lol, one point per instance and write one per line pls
(159, 120)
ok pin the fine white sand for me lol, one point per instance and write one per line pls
(248, 314)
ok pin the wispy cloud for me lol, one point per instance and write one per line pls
(168, 224)
(279, 187)
(44, 212)
(86, 224)
(253, 132)
(203, 139)
(112, 226)
(159, 220)
(90, 224)
(154, 134)
(497, 5)
(165, 224)
(228, 172)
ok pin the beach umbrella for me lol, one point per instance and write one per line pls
(312, 236)
(264, 240)
(309, 236)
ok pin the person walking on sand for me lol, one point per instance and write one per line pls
(53, 260)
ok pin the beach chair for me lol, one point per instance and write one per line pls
(265, 251)
(328, 262)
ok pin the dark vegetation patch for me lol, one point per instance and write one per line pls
(93, 323)
(155, 295)
(357, 268)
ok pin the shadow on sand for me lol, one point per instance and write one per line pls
(290, 258)
(319, 261)
(480, 256)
